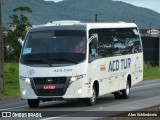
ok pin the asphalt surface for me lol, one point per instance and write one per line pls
(143, 95)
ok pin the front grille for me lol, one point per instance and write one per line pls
(54, 80)
(61, 84)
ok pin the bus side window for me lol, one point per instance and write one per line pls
(93, 52)
(137, 46)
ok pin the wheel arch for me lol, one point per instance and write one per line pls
(96, 85)
(129, 79)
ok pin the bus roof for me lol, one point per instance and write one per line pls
(77, 25)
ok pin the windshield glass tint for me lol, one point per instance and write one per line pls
(55, 46)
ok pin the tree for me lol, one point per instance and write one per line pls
(21, 21)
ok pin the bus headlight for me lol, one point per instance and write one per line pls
(27, 80)
(74, 78)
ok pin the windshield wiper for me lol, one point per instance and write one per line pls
(69, 60)
(40, 61)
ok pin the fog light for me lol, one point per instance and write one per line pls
(24, 92)
(79, 91)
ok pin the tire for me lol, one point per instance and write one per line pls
(91, 101)
(33, 103)
(117, 96)
(126, 92)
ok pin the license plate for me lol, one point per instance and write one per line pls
(49, 87)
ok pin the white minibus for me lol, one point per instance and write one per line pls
(67, 60)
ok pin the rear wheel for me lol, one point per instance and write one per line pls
(33, 103)
(91, 101)
(123, 94)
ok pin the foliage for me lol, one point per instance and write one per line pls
(22, 9)
(12, 47)
(151, 73)
(11, 81)
(4, 28)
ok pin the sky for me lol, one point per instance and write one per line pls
(151, 4)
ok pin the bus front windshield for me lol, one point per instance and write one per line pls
(56, 46)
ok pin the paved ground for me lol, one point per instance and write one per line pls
(144, 95)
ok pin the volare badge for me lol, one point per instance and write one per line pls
(31, 72)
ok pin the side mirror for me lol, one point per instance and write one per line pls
(94, 38)
(20, 41)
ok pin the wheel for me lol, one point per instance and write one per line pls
(126, 92)
(33, 103)
(117, 96)
(91, 101)
(123, 94)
